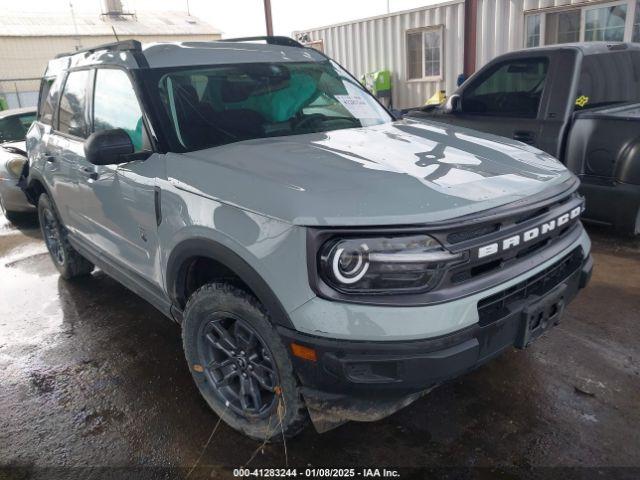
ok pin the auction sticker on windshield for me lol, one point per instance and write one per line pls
(357, 106)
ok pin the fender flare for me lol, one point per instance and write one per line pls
(30, 180)
(204, 247)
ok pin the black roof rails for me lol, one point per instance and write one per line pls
(122, 46)
(270, 39)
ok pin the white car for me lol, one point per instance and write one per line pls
(13, 128)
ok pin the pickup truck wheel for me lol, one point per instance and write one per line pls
(69, 263)
(240, 364)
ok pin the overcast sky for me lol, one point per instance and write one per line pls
(240, 17)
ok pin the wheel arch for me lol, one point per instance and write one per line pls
(35, 187)
(187, 251)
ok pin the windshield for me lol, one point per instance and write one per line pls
(215, 105)
(609, 78)
(14, 128)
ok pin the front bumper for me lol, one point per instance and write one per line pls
(364, 380)
(13, 198)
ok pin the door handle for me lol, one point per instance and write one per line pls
(524, 136)
(50, 158)
(91, 173)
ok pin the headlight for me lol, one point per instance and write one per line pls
(384, 265)
(15, 165)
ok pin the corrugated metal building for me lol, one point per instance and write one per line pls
(427, 48)
(29, 41)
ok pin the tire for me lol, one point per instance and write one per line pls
(217, 314)
(69, 263)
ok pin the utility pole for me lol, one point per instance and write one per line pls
(75, 27)
(267, 17)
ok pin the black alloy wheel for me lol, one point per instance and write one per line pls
(52, 236)
(238, 363)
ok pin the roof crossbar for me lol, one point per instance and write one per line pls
(121, 46)
(269, 39)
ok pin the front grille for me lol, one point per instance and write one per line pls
(471, 238)
(464, 235)
(496, 306)
(469, 272)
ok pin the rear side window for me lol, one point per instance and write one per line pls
(513, 89)
(72, 116)
(49, 93)
(115, 106)
(609, 78)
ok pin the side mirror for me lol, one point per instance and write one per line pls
(454, 103)
(107, 147)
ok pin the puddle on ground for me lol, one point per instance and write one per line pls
(39, 264)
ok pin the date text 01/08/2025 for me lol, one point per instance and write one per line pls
(316, 473)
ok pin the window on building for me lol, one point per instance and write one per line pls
(72, 113)
(605, 23)
(424, 54)
(513, 88)
(115, 105)
(562, 27)
(532, 30)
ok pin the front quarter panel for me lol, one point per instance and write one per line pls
(274, 250)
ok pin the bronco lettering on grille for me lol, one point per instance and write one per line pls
(529, 235)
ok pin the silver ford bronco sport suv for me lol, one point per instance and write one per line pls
(324, 260)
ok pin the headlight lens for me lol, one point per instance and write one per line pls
(384, 265)
(15, 165)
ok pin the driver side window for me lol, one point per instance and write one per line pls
(513, 88)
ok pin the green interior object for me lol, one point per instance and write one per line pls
(137, 136)
(282, 104)
(3, 104)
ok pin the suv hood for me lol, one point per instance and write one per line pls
(406, 172)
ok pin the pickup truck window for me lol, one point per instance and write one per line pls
(513, 88)
(609, 78)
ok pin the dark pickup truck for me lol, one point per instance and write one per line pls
(578, 102)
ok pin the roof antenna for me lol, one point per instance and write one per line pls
(114, 33)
